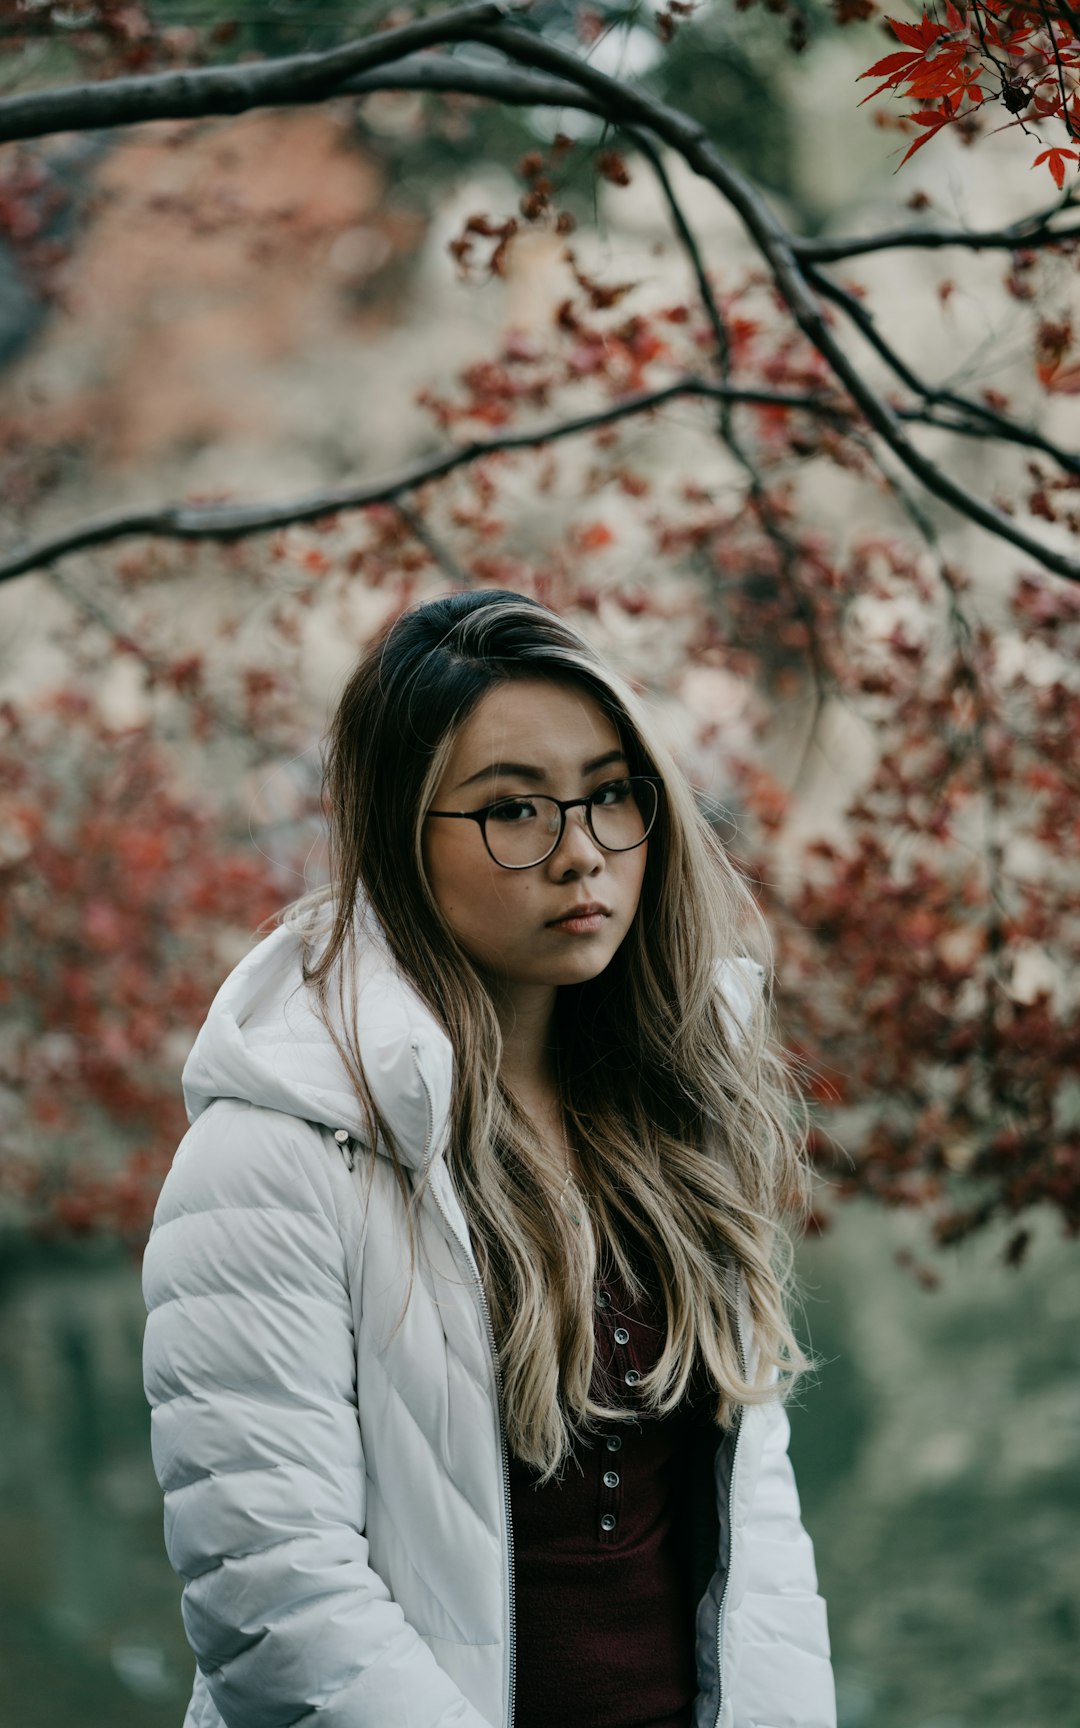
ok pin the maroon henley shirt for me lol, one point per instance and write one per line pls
(604, 1616)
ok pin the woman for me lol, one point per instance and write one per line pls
(467, 1333)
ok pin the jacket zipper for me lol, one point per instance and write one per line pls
(731, 1541)
(466, 1257)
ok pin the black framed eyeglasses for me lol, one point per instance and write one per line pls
(522, 831)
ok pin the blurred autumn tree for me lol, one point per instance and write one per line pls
(846, 547)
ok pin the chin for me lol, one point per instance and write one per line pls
(578, 969)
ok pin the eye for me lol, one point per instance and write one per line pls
(615, 792)
(512, 811)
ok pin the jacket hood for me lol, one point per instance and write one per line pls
(263, 1042)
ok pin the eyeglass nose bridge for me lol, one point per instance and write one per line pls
(558, 823)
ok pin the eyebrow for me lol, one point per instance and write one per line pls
(529, 773)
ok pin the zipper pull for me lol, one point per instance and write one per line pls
(341, 1135)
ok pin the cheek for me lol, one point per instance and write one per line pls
(451, 874)
(478, 900)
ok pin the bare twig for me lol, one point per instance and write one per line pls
(782, 543)
(982, 420)
(433, 546)
(643, 143)
(1066, 116)
(833, 249)
(90, 606)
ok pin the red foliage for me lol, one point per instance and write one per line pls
(953, 64)
(119, 906)
(929, 954)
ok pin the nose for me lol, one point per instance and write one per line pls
(577, 850)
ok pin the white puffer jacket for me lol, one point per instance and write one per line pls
(335, 1488)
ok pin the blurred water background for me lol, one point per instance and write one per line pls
(936, 1457)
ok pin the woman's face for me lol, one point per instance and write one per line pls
(532, 736)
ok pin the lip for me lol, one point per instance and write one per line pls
(588, 910)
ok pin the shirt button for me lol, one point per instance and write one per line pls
(614, 1441)
(603, 1300)
(607, 1522)
(631, 1376)
(622, 1336)
(611, 1478)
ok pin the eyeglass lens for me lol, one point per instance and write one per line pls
(524, 831)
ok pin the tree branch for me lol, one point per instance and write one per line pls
(832, 249)
(448, 75)
(454, 75)
(689, 138)
(688, 239)
(986, 422)
(436, 551)
(308, 77)
(236, 521)
(783, 544)
(195, 94)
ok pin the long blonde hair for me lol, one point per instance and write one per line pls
(689, 1130)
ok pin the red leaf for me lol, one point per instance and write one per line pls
(934, 122)
(921, 36)
(1055, 160)
(936, 77)
(891, 63)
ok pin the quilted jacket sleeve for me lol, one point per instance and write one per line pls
(784, 1676)
(250, 1370)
